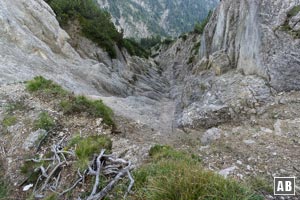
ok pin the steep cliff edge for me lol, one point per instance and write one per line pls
(252, 34)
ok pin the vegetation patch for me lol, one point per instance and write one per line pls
(150, 42)
(168, 41)
(44, 121)
(86, 148)
(134, 48)
(69, 103)
(9, 121)
(174, 175)
(199, 27)
(294, 11)
(4, 186)
(81, 104)
(95, 24)
(286, 27)
(45, 87)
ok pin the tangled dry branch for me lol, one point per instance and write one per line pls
(50, 176)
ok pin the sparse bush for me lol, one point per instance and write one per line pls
(174, 175)
(168, 41)
(191, 59)
(260, 185)
(150, 42)
(44, 86)
(184, 37)
(95, 23)
(68, 102)
(27, 169)
(9, 121)
(134, 48)
(13, 106)
(199, 27)
(294, 11)
(85, 148)
(81, 104)
(3, 188)
(44, 121)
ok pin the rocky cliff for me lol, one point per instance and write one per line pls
(32, 43)
(248, 49)
(259, 37)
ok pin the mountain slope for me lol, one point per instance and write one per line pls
(141, 18)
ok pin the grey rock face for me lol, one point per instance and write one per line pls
(208, 100)
(32, 43)
(249, 31)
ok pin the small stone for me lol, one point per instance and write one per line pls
(248, 142)
(27, 187)
(211, 135)
(99, 121)
(266, 130)
(239, 162)
(227, 171)
(249, 168)
(33, 137)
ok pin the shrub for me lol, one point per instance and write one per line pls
(9, 121)
(44, 86)
(184, 37)
(174, 175)
(134, 48)
(87, 147)
(44, 121)
(95, 108)
(150, 41)
(294, 11)
(191, 59)
(168, 41)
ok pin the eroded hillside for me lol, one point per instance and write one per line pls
(229, 97)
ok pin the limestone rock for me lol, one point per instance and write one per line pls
(210, 100)
(227, 171)
(219, 62)
(287, 128)
(211, 135)
(33, 138)
(249, 31)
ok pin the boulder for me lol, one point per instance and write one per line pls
(219, 62)
(33, 138)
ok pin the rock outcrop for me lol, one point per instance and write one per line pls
(252, 33)
(249, 50)
(32, 43)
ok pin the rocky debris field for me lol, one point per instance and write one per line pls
(264, 146)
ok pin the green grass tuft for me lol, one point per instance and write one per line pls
(44, 121)
(3, 189)
(9, 121)
(69, 103)
(46, 87)
(95, 108)
(85, 148)
(175, 175)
